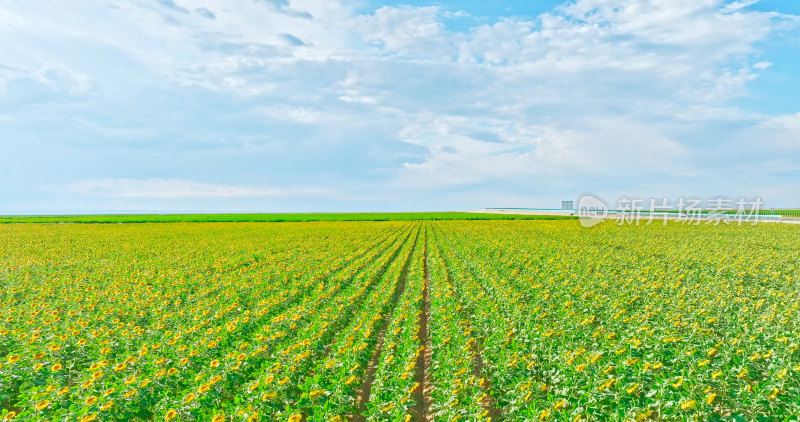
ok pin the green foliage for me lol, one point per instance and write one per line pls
(320, 321)
(275, 218)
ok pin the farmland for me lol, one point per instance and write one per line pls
(272, 218)
(399, 320)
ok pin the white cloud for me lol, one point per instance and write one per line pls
(685, 45)
(762, 65)
(777, 133)
(352, 96)
(56, 77)
(594, 90)
(59, 76)
(503, 42)
(8, 19)
(405, 29)
(296, 114)
(708, 113)
(736, 5)
(462, 151)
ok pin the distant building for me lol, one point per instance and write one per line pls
(567, 205)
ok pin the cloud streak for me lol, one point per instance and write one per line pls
(178, 188)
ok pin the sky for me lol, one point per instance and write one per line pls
(359, 105)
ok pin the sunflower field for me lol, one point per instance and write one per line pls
(399, 321)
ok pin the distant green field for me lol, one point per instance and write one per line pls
(212, 218)
(787, 212)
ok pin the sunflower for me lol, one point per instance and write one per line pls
(544, 414)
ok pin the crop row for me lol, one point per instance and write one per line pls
(399, 321)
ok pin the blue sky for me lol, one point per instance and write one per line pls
(341, 105)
